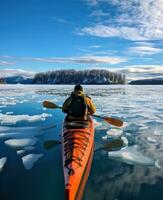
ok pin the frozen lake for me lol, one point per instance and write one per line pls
(28, 171)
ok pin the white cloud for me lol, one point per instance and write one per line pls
(83, 60)
(134, 20)
(98, 13)
(92, 2)
(105, 31)
(135, 72)
(95, 46)
(16, 72)
(141, 71)
(5, 63)
(145, 50)
(61, 20)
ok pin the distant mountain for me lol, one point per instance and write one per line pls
(157, 81)
(18, 79)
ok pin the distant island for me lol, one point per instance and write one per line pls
(79, 76)
(93, 76)
(158, 81)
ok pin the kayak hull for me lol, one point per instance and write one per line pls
(77, 154)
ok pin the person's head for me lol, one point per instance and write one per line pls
(78, 87)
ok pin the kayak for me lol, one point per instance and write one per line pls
(77, 155)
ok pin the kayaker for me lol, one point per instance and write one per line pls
(78, 105)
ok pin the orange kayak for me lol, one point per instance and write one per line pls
(77, 154)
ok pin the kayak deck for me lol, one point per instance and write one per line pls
(78, 148)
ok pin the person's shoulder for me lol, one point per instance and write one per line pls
(88, 97)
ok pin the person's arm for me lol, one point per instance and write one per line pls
(91, 106)
(66, 104)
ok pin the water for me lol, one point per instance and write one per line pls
(28, 171)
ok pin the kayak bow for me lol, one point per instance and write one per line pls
(77, 154)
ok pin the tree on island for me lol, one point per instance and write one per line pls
(94, 76)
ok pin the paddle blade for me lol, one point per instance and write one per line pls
(50, 144)
(118, 143)
(110, 146)
(48, 104)
(113, 121)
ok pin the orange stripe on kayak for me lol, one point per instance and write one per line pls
(77, 154)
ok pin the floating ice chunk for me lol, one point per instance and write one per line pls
(128, 134)
(132, 156)
(30, 159)
(157, 133)
(152, 140)
(9, 113)
(96, 123)
(105, 137)
(19, 143)
(143, 127)
(29, 148)
(114, 133)
(157, 164)
(21, 132)
(4, 106)
(2, 163)
(102, 127)
(13, 119)
(125, 142)
(19, 152)
(125, 124)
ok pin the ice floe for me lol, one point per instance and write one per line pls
(157, 133)
(152, 140)
(9, 113)
(13, 119)
(22, 132)
(20, 143)
(2, 163)
(125, 142)
(105, 137)
(30, 159)
(20, 152)
(29, 148)
(114, 133)
(96, 123)
(132, 156)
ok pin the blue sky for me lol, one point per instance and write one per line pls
(42, 35)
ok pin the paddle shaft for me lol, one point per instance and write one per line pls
(113, 121)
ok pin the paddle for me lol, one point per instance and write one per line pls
(50, 144)
(110, 146)
(106, 147)
(112, 121)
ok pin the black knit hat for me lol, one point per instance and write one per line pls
(78, 87)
